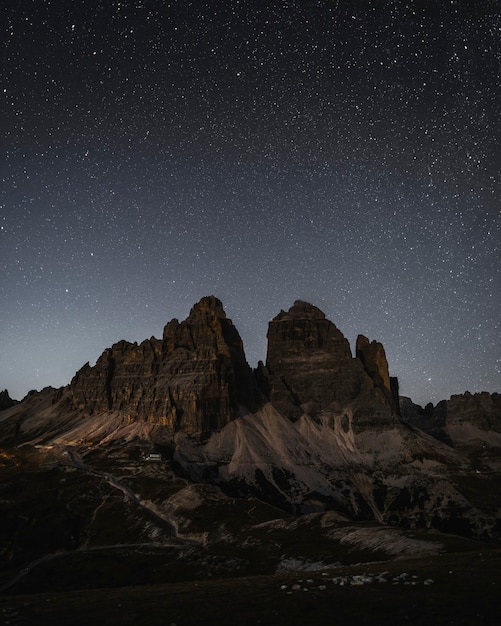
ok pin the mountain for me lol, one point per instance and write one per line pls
(314, 428)
(194, 379)
(310, 371)
(204, 467)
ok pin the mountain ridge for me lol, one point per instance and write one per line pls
(312, 429)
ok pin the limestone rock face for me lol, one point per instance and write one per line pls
(481, 410)
(466, 421)
(310, 370)
(374, 360)
(120, 380)
(194, 379)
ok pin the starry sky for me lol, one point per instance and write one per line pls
(346, 153)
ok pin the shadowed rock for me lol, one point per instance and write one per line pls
(482, 410)
(195, 379)
(310, 370)
(374, 360)
(479, 410)
(5, 400)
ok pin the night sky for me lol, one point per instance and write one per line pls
(339, 152)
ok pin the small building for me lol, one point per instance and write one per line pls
(153, 457)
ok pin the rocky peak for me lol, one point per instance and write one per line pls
(429, 419)
(482, 410)
(465, 420)
(301, 310)
(310, 369)
(206, 327)
(196, 379)
(373, 357)
(303, 328)
(207, 306)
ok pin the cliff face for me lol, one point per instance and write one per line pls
(481, 411)
(425, 419)
(468, 422)
(310, 370)
(121, 379)
(195, 379)
(374, 360)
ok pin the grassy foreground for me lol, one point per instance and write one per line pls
(465, 590)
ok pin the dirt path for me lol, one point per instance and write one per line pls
(76, 461)
(70, 457)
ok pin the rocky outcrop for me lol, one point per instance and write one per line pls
(5, 400)
(121, 379)
(315, 428)
(310, 370)
(481, 410)
(426, 419)
(195, 379)
(417, 416)
(466, 420)
(374, 360)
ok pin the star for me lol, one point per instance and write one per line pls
(342, 154)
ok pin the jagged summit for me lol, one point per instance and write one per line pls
(464, 420)
(300, 310)
(207, 311)
(208, 304)
(206, 327)
(304, 327)
(196, 379)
